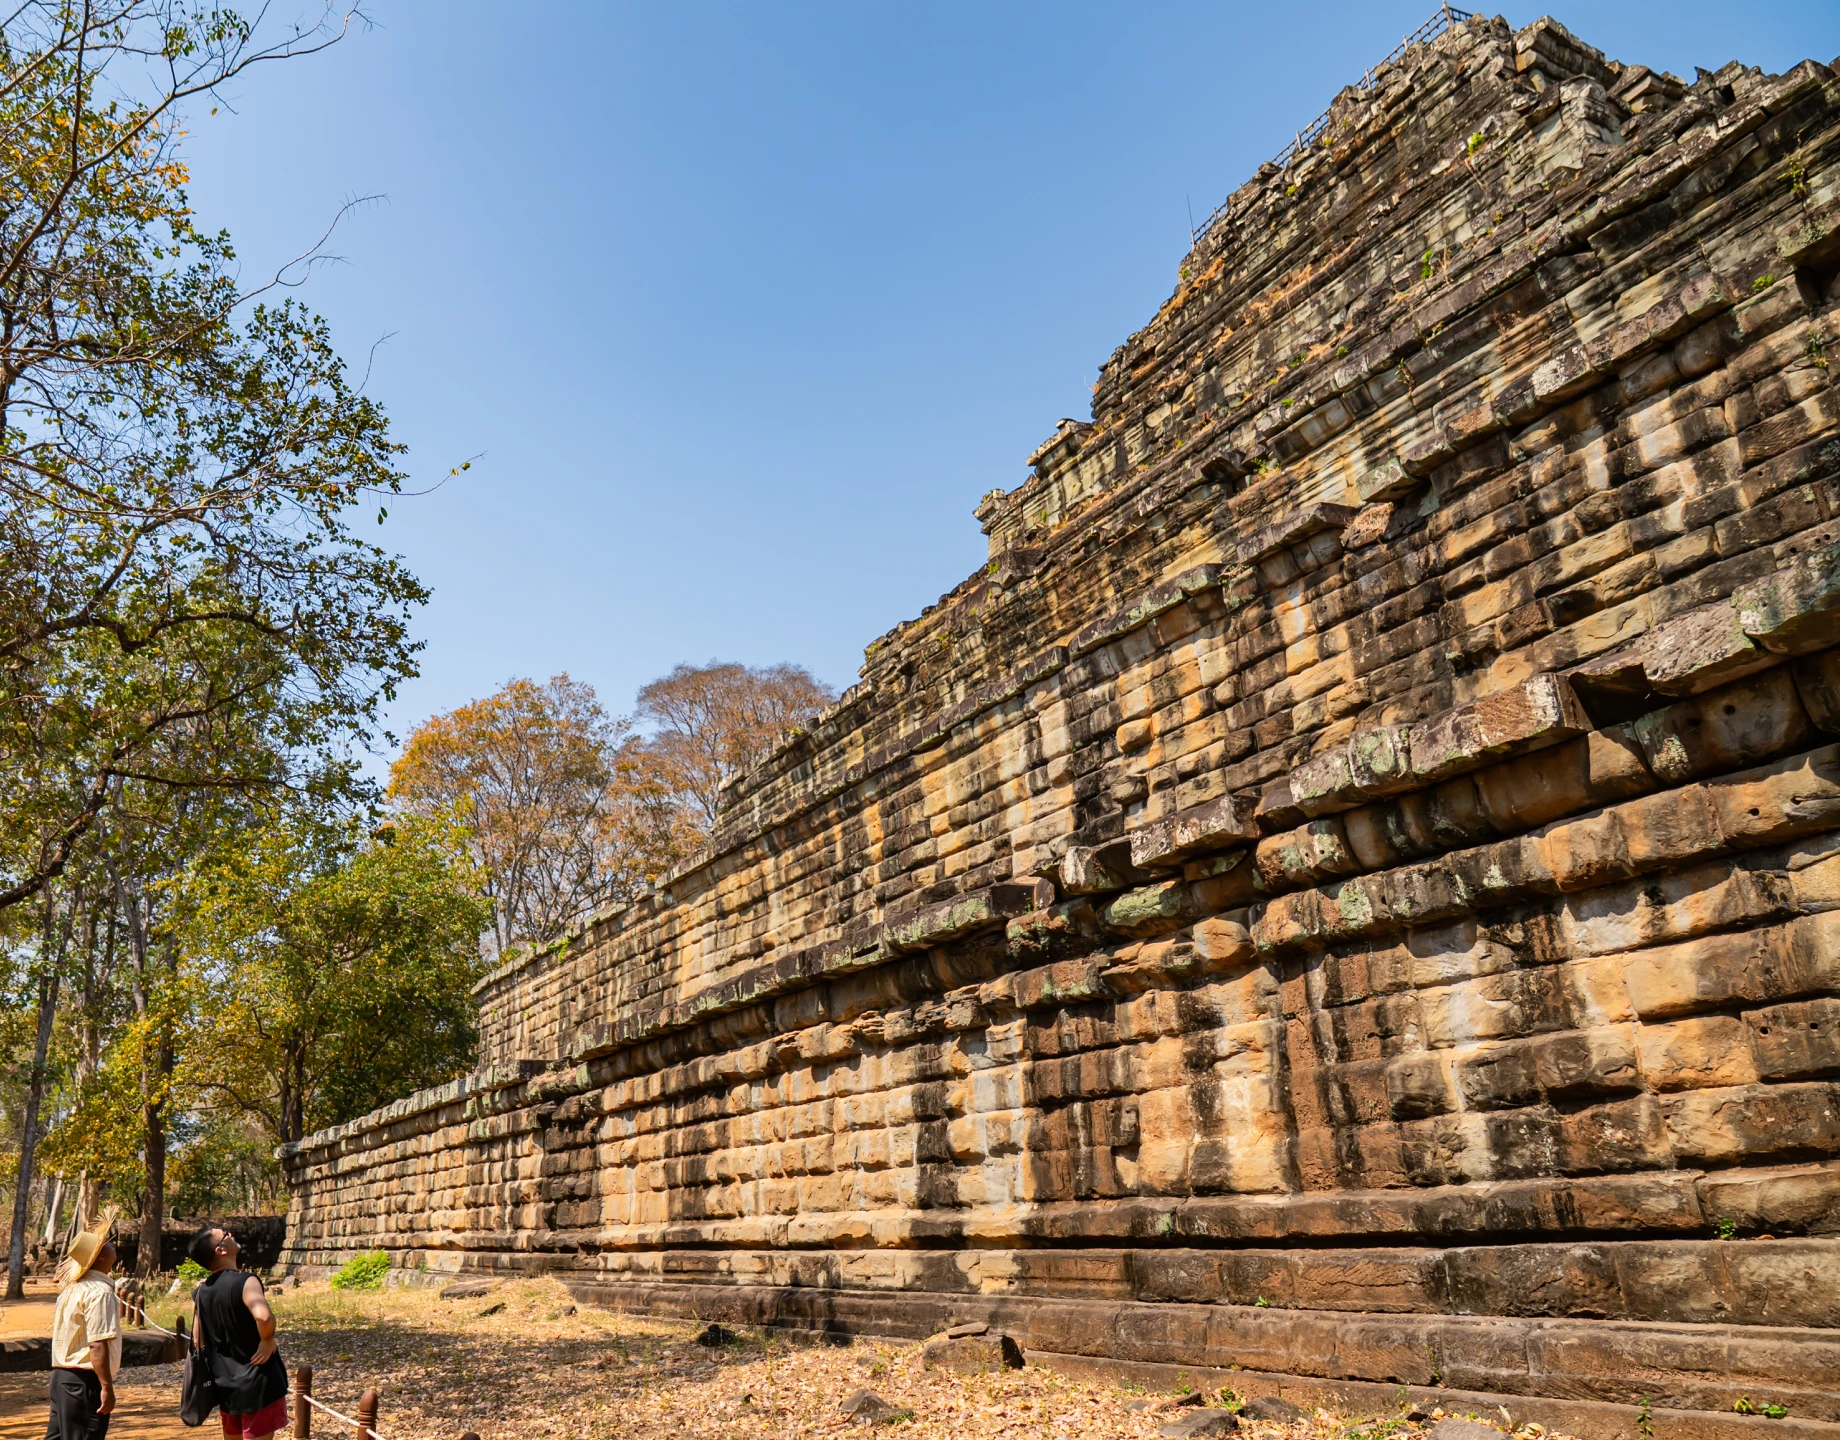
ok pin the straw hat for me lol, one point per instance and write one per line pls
(84, 1249)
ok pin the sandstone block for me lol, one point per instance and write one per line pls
(1696, 1054)
(972, 1354)
(1584, 854)
(1418, 1086)
(1797, 1041)
(1700, 650)
(1581, 1064)
(1152, 909)
(1670, 828)
(1088, 871)
(1724, 1126)
(1734, 726)
(1293, 528)
(981, 909)
(1799, 795)
(1312, 852)
(1594, 769)
(1536, 713)
(1223, 943)
(1797, 609)
(1213, 826)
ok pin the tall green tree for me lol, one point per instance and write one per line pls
(181, 459)
(332, 971)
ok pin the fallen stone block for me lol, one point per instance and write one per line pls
(1274, 1408)
(1454, 1429)
(866, 1407)
(467, 1290)
(972, 1354)
(1196, 1422)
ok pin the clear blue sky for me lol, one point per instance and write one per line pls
(744, 306)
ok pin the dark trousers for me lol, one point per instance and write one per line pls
(75, 1394)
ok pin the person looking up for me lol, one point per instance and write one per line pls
(85, 1341)
(235, 1325)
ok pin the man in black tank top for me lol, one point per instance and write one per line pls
(236, 1327)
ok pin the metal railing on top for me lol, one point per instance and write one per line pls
(1446, 17)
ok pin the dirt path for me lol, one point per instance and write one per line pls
(522, 1363)
(30, 1316)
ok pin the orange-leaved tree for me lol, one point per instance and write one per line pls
(708, 723)
(531, 772)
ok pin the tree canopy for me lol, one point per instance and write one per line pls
(180, 458)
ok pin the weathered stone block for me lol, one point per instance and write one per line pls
(1696, 1054)
(1213, 826)
(1536, 713)
(972, 1354)
(1797, 609)
(1797, 1041)
(1704, 648)
(1732, 727)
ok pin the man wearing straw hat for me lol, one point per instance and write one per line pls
(85, 1340)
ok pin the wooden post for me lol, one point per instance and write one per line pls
(367, 1414)
(303, 1412)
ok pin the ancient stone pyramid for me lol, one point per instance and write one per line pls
(1349, 893)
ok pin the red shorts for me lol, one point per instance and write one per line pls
(265, 1421)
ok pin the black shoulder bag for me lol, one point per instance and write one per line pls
(197, 1388)
(222, 1381)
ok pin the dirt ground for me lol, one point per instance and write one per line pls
(523, 1363)
(32, 1315)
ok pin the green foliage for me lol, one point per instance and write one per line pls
(363, 1272)
(335, 968)
(223, 1164)
(1763, 282)
(1475, 142)
(1726, 1228)
(191, 1272)
(183, 604)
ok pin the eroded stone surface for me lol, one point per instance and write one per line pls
(1352, 890)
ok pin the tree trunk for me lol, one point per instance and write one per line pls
(51, 1211)
(28, 1140)
(153, 1212)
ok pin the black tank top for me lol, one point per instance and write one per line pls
(230, 1329)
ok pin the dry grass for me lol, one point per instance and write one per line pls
(539, 1367)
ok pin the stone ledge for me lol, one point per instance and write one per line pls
(1589, 1419)
(138, 1347)
(1704, 1368)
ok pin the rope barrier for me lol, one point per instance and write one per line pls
(343, 1419)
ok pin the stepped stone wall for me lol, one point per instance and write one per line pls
(1351, 892)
